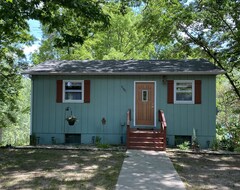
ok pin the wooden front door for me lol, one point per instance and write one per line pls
(144, 103)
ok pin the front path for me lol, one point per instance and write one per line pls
(148, 170)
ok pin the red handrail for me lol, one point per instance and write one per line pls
(128, 125)
(161, 118)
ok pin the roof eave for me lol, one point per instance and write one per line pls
(129, 73)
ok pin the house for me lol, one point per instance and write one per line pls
(99, 94)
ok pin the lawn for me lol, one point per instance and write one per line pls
(59, 169)
(207, 171)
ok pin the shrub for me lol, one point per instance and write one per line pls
(98, 140)
(103, 146)
(184, 146)
(195, 145)
(215, 145)
(237, 149)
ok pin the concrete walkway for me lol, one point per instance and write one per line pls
(148, 170)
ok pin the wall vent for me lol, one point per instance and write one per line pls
(72, 138)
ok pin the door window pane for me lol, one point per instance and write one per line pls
(144, 95)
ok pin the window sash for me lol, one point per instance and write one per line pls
(184, 91)
(73, 93)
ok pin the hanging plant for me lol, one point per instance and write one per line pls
(71, 120)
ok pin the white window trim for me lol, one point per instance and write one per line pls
(73, 101)
(193, 92)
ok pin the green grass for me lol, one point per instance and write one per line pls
(59, 169)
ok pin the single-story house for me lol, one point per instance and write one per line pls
(99, 94)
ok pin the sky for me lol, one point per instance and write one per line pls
(36, 31)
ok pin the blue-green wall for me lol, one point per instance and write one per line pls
(111, 97)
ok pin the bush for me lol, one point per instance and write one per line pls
(237, 149)
(215, 145)
(184, 146)
(98, 140)
(103, 146)
(195, 144)
(99, 144)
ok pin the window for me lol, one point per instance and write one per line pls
(73, 91)
(184, 91)
(144, 95)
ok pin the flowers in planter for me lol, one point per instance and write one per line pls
(71, 119)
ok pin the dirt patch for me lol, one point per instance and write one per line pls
(207, 171)
(59, 169)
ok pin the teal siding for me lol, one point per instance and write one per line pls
(111, 97)
(181, 119)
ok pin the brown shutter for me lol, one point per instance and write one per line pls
(198, 91)
(59, 91)
(87, 91)
(170, 92)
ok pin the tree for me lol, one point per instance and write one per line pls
(209, 29)
(9, 87)
(210, 26)
(121, 40)
(228, 117)
(18, 133)
(83, 17)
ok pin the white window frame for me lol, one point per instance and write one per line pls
(73, 101)
(175, 92)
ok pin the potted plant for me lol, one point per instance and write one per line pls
(71, 119)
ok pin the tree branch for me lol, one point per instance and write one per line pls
(211, 55)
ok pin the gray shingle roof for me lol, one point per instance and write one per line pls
(125, 67)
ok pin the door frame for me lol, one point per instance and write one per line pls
(134, 101)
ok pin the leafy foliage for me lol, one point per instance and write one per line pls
(184, 146)
(9, 86)
(228, 120)
(18, 133)
(215, 144)
(13, 32)
(208, 27)
(83, 17)
(121, 40)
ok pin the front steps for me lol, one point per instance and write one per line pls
(146, 140)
